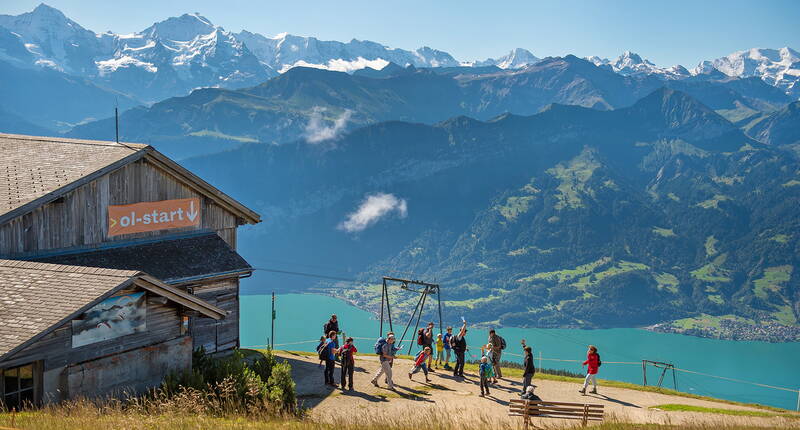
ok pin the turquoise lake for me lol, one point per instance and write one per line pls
(300, 318)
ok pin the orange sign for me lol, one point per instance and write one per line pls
(152, 216)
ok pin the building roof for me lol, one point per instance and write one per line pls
(36, 298)
(37, 170)
(174, 260)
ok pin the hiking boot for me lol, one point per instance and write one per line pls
(593, 391)
(427, 380)
(375, 383)
(409, 377)
(480, 395)
(582, 391)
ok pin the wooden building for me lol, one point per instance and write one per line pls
(125, 207)
(68, 331)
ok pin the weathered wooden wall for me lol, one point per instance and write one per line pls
(131, 372)
(162, 323)
(221, 335)
(80, 219)
(55, 352)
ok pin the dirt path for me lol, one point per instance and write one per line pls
(459, 399)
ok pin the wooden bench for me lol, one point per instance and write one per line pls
(528, 409)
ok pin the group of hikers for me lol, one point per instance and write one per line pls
(386, 347)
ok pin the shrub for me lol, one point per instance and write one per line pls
(233, 384)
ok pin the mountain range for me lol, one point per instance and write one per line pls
(550, 192)
(283, 108)
(180, 54)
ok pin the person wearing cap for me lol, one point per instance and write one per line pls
(528, 394)
(386, 359)
(460, 348)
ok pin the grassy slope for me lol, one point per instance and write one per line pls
(690, 408)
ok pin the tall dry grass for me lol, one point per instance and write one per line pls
(180, 415)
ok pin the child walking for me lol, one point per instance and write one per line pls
(593, 362)
(485, 370)
(419, 363)
(489, 354)
(439, 351)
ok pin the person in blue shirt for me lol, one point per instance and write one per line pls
(447, 347)
(331, 345)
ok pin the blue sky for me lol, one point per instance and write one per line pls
(667, 32)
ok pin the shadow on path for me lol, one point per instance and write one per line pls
(609, 399)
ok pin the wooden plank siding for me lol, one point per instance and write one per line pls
(79, 218)
(163, 322)
(215, 336)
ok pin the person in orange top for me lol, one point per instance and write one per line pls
(593, 361)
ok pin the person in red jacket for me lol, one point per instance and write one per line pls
(593, 361)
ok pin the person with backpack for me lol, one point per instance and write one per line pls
(593, 362)
(419, 363)
(498, 345)
(319, 345)
(386, 351)
(530, 369)
(447, 347)
(328, 354)
(348, 356)
(331, 325)
(485, 372)
(427, 342)
(459, 344)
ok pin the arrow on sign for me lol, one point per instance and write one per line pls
(113, 223)
(191, 213)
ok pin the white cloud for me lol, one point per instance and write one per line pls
(371, 210)
(318, 131)
(339, 65)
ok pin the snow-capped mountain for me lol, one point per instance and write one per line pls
(777, 67)
(285, 51)
(169, 58)
(631, 63)
(516, 59)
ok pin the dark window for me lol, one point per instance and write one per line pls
(18, 387)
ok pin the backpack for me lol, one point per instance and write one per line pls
(420, 359)
(421, 337)
(346, 354)
(502, 343)
(599, 363)
(322, 352)
(379, 345)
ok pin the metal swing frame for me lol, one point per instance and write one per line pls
(409, 285)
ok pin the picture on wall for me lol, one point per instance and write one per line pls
(114, 317)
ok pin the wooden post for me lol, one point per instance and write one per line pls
(525, 415)
(585, 415)
(540, 359)
(272, 318)
(798, 400)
